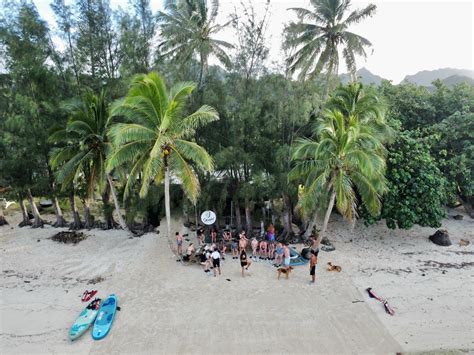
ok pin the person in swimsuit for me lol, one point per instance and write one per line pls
(179, 242)
(271, 250)
(263, 249)
(213, 236)
(279, 255)
(235, 247)
(271, 232)
(242, 241)
(200, 237)
(286, 254)
(244, 262)
(312, 266)
(216, 261)
(254, 245)
(189, 252)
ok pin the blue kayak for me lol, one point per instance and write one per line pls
(105, 318)
(296, 259)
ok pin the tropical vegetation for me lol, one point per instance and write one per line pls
(103, 112)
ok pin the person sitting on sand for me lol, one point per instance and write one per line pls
(271, 250)
(242, 241)
(312, 266)
(263, 249)
(244, 262)
(216, 261)
(254, 244)
(213, 236)
(286, 254)
(271, 232)
(279, 255)
(189, 252)
(179, 242)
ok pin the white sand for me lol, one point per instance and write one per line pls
(169, 308)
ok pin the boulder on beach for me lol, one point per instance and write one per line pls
(441, 237)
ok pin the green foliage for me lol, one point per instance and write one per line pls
(157, 135)
(345, 157)
(416, 187)
(317, 42)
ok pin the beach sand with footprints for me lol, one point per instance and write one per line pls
(169, 308)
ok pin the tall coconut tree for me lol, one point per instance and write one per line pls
(189, 28)
(343, 161)
(158, 139)
(321, 32)
(85, 151)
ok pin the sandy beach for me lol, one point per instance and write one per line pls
(168, 308)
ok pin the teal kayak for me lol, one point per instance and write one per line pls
(84, 321)
(105, 318)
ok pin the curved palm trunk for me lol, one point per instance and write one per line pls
(76, 224)
(24, 212)
(326, 218)
(238, 217)
(3, 221)
(38, 222)
(311, 225)
(88, 224)
(287, 215)
(60, 221)
(107, 209)
(116, 203)
(167, 202)
(248, 217)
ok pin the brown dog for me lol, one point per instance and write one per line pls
(283, 270)
(332, 267)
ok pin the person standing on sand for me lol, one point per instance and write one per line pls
(200, 237)
(254, 245)
(244, 262)
(279, 255)
(242, 241)
(271, 233)
(216, 261)
(179, 242)
(213, 236)
(286, 254)
(312, 266)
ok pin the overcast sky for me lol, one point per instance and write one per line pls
(407, 36)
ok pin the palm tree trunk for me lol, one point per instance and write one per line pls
(326, 218)
(311, 225)
(107, 209)
(287, 217)
(24, 212)
(248, 217)
(238, 217)
(60, 221)
(76, 224)
(203, 69)
(116, 203)
(167, 202)
(38, 222)
(3, 221)
(87, 214)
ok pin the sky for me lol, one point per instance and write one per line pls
(407, 36)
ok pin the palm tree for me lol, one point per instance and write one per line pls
(188, 27)
(345, 160)
(319, 35)
(156, 141)
(84, 153)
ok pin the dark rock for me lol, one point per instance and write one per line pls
(458, 217)
(326, 241)
(69, 237)
(441, 237)
(328, 248)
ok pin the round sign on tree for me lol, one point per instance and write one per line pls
(208, 217)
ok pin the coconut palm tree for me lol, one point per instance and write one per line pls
(84, 153)
(157, 140)
(319, 35)
(343, 161)
(189, 27)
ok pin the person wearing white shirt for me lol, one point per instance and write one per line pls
(216, 261)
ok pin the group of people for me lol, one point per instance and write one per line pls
(210, 255)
